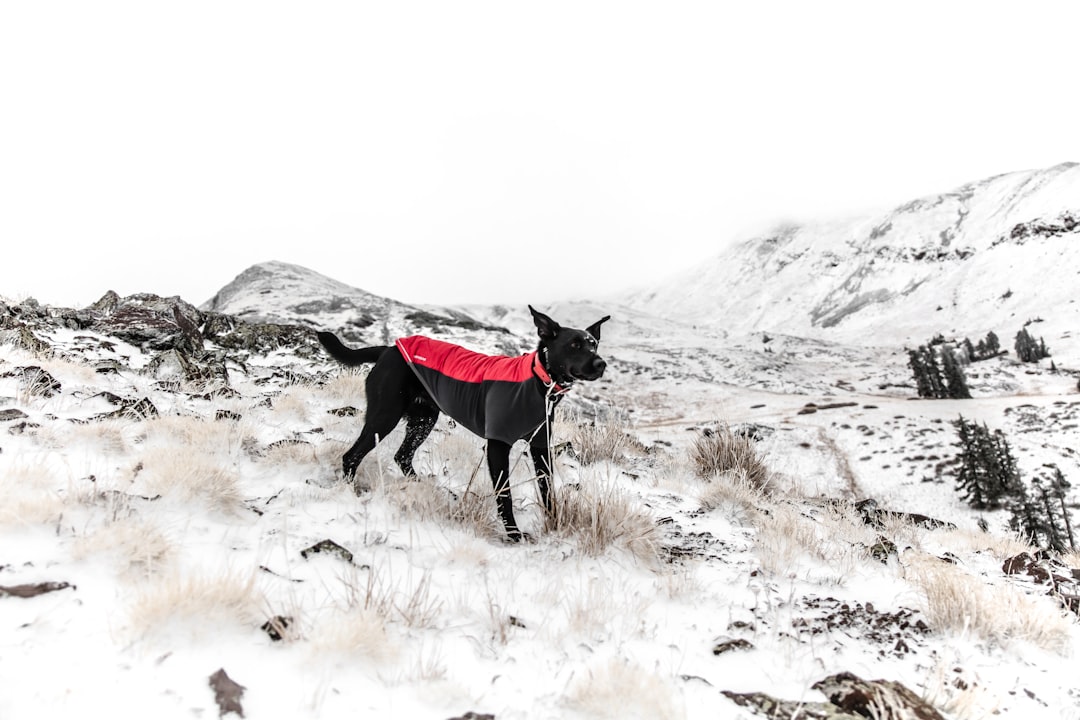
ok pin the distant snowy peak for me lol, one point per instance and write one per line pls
(281, 292)
(964, 261)
(278, 292)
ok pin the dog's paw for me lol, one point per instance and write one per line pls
(515, 536)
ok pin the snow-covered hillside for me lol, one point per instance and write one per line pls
(990, 255)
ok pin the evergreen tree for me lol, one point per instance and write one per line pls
(1058, 487)
(953, 373)
(988, 471)
(1026, 519)
(1028, 350)
(968, 352)
(993, 345)
(918, 369)
(1053, 532)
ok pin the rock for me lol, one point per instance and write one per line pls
(33, 589)
(227, 693)
(10, 414)
(327, 546)
(36, 381)
(850, 698)
(880, 699)
(21, 337)
(875, 516)
(724, 645)
(276, 626)
(774, 709)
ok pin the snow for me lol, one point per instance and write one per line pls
(182, 534)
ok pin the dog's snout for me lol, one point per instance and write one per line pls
(599, 365)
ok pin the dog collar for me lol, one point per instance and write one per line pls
(545, 377)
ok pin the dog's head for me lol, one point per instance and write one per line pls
(569, 354)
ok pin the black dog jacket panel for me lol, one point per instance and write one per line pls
(494, 396)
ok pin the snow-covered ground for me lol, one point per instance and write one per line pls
(181, 533)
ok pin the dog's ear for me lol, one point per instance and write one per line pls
(594, 329)
(546, 328)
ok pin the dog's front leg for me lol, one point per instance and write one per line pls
(498, 456)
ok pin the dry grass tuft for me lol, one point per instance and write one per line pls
(136, 546)
(597, 515)
(177, 472)
(721, 451)
(207, 601)
(956, 602)
(357, 630)
(29, 496)
(733, 493)
(832, 536)
(624, 690)
(605, 440)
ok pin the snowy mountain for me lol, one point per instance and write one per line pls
(278, 292)
(988, 256)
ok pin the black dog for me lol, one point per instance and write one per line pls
(501, 399)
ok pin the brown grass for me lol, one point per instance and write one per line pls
(598, 515)
(720, 451)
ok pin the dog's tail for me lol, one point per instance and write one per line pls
(347, 355)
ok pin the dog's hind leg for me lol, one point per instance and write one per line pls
(390, 391)
(420, 419)
(498, 456)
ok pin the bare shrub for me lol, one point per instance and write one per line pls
(354, 630)
(956, 602)
(621, 689)
(720, 451)
(597, 515)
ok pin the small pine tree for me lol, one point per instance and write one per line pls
(955, 381)
(988, 471)
(993, 344)
(1058, 487)
(1028, 350)
(1026, 518)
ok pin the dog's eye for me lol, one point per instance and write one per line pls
(576, 345)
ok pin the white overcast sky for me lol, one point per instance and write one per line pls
(448, 152)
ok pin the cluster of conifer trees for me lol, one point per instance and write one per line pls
(988, 479)
(938, 366)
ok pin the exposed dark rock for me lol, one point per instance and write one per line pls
(130, 410)
(725, 645)
(9, 414)
(474, 716)
(880, 699)
(36, 380)
(33, 589)
(227, 693)
(775, 709)
(883, 549)
(22, 337)
(329, 547)
(276, 626)
(877, 517)
(234, 334)
(850, 698)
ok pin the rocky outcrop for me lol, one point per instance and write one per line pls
(850, 698)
